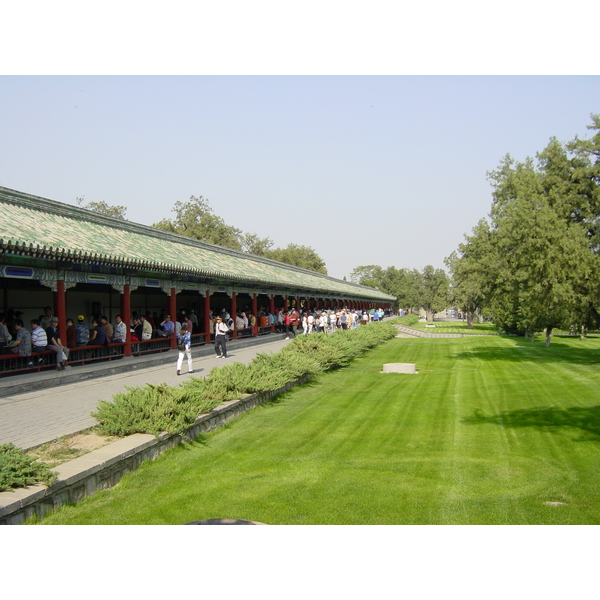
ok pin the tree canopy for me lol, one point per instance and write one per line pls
(413, 289)
(103, 208)
(196, 219)
(299, 256)
(534, 266)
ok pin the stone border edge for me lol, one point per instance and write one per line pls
(104, 468)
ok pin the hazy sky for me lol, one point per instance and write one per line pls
(387, 170)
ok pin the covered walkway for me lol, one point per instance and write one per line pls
(77, 262)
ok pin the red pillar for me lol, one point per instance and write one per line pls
(126, 316)
(173, 313)
(255, 313)
(207, 318)
(234, 313)
(60, 306)
(298, 303)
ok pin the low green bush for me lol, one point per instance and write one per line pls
(157, 408)
(152, 409)
(408, 320)
(17, 469)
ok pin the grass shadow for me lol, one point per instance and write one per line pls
(525, 351)
(586, 420)
(192, 444)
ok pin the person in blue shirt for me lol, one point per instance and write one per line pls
(184, 345)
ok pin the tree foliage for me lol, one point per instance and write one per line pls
(469, 274)
(299, 256)
(535, 264)
(413, 289)
(434, 291)
(370, 275)
(252, 244)
(103, 208)
(196, 219)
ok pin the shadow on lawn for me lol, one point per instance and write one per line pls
(586, 420)
(525, 351)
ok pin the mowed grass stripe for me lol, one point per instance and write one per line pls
(488, 431)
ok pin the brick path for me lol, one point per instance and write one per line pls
(404, 331)
(30, 417)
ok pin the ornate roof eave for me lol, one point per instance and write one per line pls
(331, 286)
(82, 256)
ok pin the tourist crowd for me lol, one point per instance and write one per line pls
(42, 333)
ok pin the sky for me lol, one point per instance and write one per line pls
(365, 169)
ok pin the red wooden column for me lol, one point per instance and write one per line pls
(234, 312)
(126, 316)
(207, 318)
(255, 313)
(173, 313)
(60, 306)
(285, 303)
(272, 310)
(298, 303)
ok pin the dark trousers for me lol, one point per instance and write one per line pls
(220, 345)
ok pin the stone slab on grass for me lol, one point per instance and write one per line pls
(408, 368)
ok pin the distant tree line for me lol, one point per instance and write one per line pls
(427, 289)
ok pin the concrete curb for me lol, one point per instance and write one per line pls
(104, 468)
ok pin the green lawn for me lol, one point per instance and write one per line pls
(490, 430)
(458, 327)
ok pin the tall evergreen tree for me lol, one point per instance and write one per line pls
(535, 266)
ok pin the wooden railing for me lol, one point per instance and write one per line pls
(81, 355)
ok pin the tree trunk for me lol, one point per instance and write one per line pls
(548, 332)
(583, 332)
(429, 315)
(469, 319)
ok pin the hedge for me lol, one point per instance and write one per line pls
(157, 408)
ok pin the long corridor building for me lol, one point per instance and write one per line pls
(81, 262)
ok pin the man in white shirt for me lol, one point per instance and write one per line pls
(39, 339)
(221, 338)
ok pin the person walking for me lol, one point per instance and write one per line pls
(221, 338)
(184, 345)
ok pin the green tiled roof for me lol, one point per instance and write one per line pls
(39, 227)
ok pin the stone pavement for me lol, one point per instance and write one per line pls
(404, 331)
(30, 416)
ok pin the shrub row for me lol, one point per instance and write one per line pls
(17, 469)
(407, 320)
(157, 408)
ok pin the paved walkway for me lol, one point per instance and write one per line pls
(404, 331)
(30, 417)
